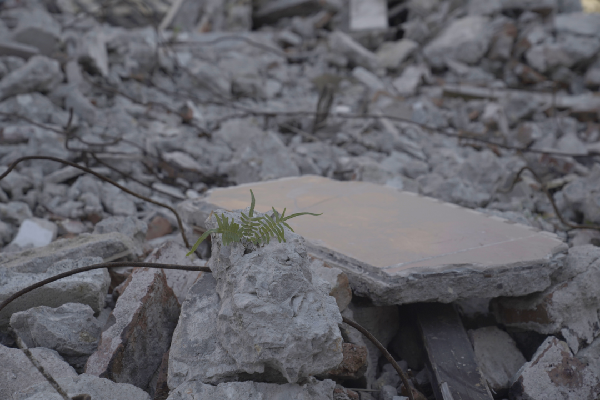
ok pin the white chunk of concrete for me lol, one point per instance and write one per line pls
(35, 232)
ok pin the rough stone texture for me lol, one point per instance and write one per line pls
(35, 232)
(497, 356)
(383, 323)
(144, 317)
(131, 227)
(413, 248)
(465, 40)
(179, 281)
(97, 388)
(18, 372)
(570, 307)
(70, 329)
(344, 45)
(258, 156)
(271, 323)
(554, 374)
(354, 364)
(583, 196)
(38, 74)
(392, 54)
(314, 390)
(337, 280)
(37, 28)
(86, 288)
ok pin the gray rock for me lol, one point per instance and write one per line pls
(314, 390)
(70, 329)
(19, 270)
(368, 79)
(97, 388)
(15, 212)
(270, 11)
(131, 350)
(342, 44)
(15, 183)
(180, 281)
(554, 374)
(336, 279)
(92, 52)
(579, 23)
(582, 196)
(465, 40)
(289, 328)
(485, 7)
(15, 49)
(6, 233)
(381, 322)
(35, 232)
(497, 356)
(87, 287)
(543, 7)
(453, 190)
(410, 79)
(131, 227)
(570, 307)
(117, 202)
(258, 156)
(392, 54)
(38, 74)
(18, 372)
(388, 392)
(37, 28)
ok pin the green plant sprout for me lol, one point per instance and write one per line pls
(258, 230)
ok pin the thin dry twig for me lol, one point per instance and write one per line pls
(98, 266)
(544, 188)
(383, 350)
(105, 179)
(21, 345)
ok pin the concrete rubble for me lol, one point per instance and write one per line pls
(404, 122)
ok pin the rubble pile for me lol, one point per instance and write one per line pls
(489, 105)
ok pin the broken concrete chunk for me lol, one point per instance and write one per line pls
(314, 390)
(145, 316)
(18, 372)
(269, 289)
(570, 307)
(354, 364)
(9, 48)
(70, 329)
(35, 232)
(465, 40)
(344, 45)
(38, 74)
(97, 388)
(392, 54)
(179, 281)
(554, 374)
(368, 15)
(497, 356)
(269, 11)
(87, 287)
(15, 212)
(339, 286)
(507, 259)
(37, 28)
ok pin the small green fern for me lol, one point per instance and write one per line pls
(258, 230)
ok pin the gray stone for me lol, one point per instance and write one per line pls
(131, 227)
(583, 196)
(92, 52)
(282, 336)
(485, 7)
(313, 390)
(259, 155)
(117, 202)
(543, 7)
(87, 288)
(497, 356)
(70, 329)
(368, 15)
(174, 253)
(342, 44)
(131, 350)
(388, 392)
(410, 79)
(554, 374)
(579, 23)
(97, 388)
(18, 372)
(10, 48)
(35, 232)
(6, 233)
(392, 54)
(15, 212)
(570, 143)
(63, 174)
(453, 190)
(369, 79)
(465, 40)
(37, 28)
(381, 322)
(39, 74)
(570, 307)
(272, 10)
(336, 279)
(15, 183)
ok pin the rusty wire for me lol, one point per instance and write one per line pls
(103, 178)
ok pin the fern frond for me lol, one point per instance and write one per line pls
(259, 230)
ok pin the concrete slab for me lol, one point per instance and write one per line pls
(398, 247)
